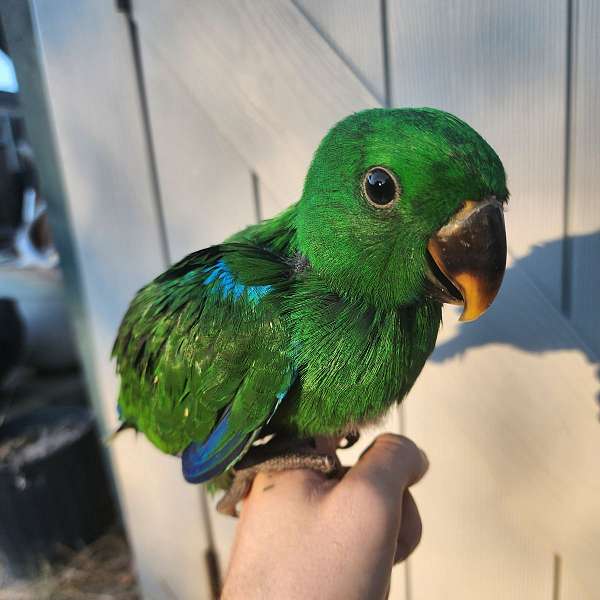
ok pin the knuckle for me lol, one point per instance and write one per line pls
(396, 441)
(400, 446)
(403, 453)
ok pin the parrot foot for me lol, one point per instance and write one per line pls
(264, 458)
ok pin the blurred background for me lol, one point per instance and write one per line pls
(134, 132)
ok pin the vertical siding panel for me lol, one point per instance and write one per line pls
(205, 185)
(584, 205)
(512, 434)
(95, 106)
(580, 577)
(353, 28)
(502, 67)
(270, 203)
(272, 86)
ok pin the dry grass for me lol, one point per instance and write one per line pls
(101, 571)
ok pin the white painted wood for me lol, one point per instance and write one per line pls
(579, 572)
(501, 66)
(506, 412)
(206, 187)
(353, 28)
(270, 204)
(584, 206)
(580, 578)
(90, 78)
(256, 84)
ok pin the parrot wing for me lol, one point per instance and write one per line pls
(203, 355)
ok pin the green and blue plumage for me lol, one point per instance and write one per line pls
(311, 323)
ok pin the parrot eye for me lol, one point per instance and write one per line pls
(380, 187)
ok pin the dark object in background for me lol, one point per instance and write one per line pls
(48, 343)
(53, 488)
(11, 336)
(10, 207)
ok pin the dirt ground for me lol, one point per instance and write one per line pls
(101, 571)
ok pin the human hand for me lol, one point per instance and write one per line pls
(302, 535)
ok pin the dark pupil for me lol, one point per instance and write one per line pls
(380, 187)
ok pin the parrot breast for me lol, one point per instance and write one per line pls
(353, 361)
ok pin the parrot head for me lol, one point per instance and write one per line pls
(402, 204)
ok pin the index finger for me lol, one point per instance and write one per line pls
(390, 465)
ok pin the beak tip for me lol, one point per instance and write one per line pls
(470, 314)
(465, 319)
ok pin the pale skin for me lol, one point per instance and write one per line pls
(302, 535)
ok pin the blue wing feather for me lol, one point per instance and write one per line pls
(223, 281)
(202, 461)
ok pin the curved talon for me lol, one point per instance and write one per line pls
(349, 440)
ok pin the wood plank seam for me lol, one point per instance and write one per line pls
(143, 100)
(337, 50)
(567, 248)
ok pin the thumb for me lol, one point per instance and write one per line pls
(389, 465)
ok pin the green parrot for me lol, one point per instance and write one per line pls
(314, 323)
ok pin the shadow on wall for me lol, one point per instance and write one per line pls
(535, 336)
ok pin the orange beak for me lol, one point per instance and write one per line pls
(468, 257)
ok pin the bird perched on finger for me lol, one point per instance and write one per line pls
(314, 323)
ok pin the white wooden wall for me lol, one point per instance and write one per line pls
(240, 92)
